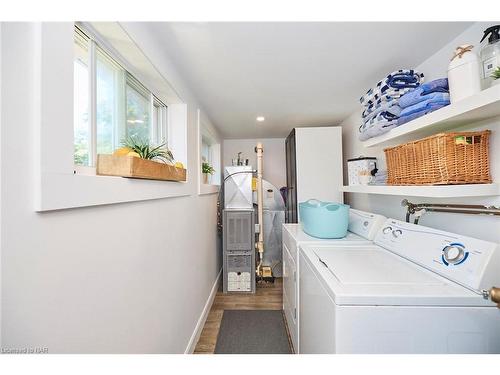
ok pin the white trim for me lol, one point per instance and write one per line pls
(433, 191)
(114, 39)
(1, 210)
(92, 64)
(203, 317)
(62, 191)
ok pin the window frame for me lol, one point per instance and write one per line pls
(82, 40)
(205, 130)
(157, 134)
(57, 186)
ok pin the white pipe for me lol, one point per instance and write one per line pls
(260, 198)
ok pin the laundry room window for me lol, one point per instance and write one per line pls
(95, 86)
(209, 152)
(110, 104)
(82, 131)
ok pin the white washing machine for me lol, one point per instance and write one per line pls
(415, 290)
(363, 226)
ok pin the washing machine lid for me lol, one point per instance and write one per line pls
(371, 275)
(301, 237)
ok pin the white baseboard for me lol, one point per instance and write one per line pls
(203, 317)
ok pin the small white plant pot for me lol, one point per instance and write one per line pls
(495, 82)
(205, 178)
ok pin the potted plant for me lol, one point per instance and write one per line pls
(207, 170)
(143, 149)
(140, 159)
(496, 77)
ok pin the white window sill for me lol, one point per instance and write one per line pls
(206, 189)
(59, 191)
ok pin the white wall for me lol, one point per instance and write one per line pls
(122, 278)
(274, 156)
(476, 226)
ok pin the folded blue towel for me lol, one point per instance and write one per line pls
(394, 85)
(413, 100)
(445, 100)
(424, 92)
(373, 110)
(437, 85)
(430, 107)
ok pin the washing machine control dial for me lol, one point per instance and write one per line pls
(396, 233)
(387, 230)
(454, 253)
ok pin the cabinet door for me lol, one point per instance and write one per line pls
(317, 313)
(289, 296)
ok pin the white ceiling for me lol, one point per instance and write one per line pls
(294, 74)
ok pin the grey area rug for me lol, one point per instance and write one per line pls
(252, 332)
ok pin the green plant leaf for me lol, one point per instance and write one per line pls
(207, 168)
(496, 73)
(147, 151)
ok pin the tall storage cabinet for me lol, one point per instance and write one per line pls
(313, 167)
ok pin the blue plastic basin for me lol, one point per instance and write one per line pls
(324, 219)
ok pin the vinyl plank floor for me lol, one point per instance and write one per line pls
(265, 298)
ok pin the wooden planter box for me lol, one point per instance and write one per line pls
(134, 167)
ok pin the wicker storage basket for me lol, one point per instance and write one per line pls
(442, 159)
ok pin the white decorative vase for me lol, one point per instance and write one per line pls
(205, 178)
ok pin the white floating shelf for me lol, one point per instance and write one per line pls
(439, 191)
(481, 106)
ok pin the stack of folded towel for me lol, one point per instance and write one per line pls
(423, 100)
(380, 178)
(381, 103)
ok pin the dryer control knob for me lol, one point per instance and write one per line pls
(387, 230)
(396, 233)
(453, 254)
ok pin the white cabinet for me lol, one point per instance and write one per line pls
(290, 283)
(313, 167)
(319, 164)
(290, 296)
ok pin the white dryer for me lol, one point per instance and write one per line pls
(415, 290)
(363, 226)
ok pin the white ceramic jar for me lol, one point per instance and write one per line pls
(464, 77)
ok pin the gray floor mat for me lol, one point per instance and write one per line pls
(252, 332)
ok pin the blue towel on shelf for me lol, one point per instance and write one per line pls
(437, 85)
(414, 100)
(425, 91)
(428, 108)
(394, 85)
(391, 107)
(387, 109)
(445, 100)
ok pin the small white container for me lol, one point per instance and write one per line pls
(464, 77)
